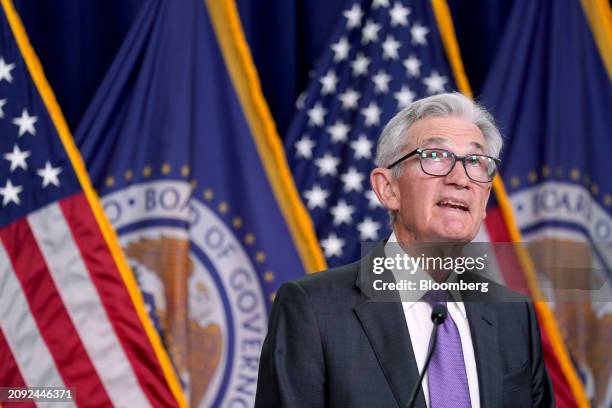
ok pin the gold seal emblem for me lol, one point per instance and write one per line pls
(195, 350)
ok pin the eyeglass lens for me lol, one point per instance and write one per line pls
(439, 162)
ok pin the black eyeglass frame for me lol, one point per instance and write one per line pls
(455, 159)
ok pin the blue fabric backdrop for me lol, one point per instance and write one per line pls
(76, 41)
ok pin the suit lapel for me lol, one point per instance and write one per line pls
(485, 338)
(385, 326)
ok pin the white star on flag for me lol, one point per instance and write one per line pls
(404, 97)
(362, 147)
(360, 65)
(371, 114)
(316, 197)
(435, 83)
(342, 213)
(418, 33)
(328, 83)
(370, 32)
(349, 99)
(341, 49)
(353, 16)
(304, 147)
(380, 3)
(338, 131)
(25, 123)
(368, 229)
(390, 47)
(10, 193)
(2, 103)
(5, 70)
(49, 175)
(352, 180)
(17, 158)
(316, 115)
(399, 15)
(413, 66)
(332, 245)
(328, 164)
(381, 82)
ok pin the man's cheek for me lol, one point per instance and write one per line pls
(482, 213)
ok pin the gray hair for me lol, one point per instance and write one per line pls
(393, 138)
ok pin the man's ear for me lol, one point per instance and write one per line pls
(385, 187)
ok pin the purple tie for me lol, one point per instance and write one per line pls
(447, 379)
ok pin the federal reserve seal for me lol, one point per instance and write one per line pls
(201, 288)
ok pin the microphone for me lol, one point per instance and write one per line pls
(438, 315)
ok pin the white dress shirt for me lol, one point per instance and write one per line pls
(418, 319)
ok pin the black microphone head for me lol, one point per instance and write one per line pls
(439, 313)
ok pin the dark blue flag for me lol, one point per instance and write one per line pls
(180, 146)
(551, 94)
(382, 56)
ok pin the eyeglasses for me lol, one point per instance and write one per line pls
(440, 162)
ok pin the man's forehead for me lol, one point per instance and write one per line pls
(446, 132)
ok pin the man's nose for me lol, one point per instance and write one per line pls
(458, 176)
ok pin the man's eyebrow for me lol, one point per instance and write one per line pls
(477, 146)
(435, 140)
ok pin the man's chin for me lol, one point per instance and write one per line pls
(450, 234)
(454, 239)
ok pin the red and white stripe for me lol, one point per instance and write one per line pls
(506, 258)
(32, 364)
(66, 317)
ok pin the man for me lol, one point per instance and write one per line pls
(331, 344)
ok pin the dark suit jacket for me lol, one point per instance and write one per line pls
(328, 345)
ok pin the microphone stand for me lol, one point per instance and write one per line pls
(438, 315)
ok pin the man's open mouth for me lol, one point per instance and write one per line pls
(454, 204)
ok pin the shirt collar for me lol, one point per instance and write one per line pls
(391, 249)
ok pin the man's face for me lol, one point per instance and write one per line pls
(440, 208)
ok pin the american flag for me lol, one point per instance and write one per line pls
(382, 56)
(68, 315)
